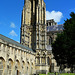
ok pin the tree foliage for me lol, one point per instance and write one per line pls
(64, 46)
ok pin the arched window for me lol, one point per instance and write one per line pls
(48, 61)
(38, 60)
(32, 68)
(27, 70)
(10, 67)
(28, 67)
(17, 67)
(23, 66)
(43, 60)
(2, 64)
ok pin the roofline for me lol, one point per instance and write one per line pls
(14, 42)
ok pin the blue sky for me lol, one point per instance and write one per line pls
(11, 10)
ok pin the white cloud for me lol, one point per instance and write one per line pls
(56, 15)
(12, 25)
(12, 33)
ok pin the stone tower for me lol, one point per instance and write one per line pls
(33, 32)
(33, 28)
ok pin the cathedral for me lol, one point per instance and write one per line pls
(33, 55)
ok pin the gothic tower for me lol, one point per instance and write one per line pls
(33, 32)
(33, 28)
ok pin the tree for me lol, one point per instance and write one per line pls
(64, 46)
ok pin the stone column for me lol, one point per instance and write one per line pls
(24, 33)
(36, 60)
(33, 6)
(30, 41)
(30, 68)
(6, 52)
(29, 12)
(39, 13)
(45, 36)
(14, 54)
(5, 69)
(2, 47)
(45, 15)
(39, 36)
(20, 55)
(21, 63)
(36, 14)
(40, 60)
(17, 52)
(14, 59)
(10, 50)
(25, 56)
(26, 11)
(42, 14)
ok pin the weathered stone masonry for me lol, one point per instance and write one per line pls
(15, 59)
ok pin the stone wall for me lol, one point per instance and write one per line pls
(15, 60)
(43, 61)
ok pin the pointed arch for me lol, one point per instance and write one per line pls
(23, 67)
(49, 63)
(2, 65)
(10, 66)
(18, 67)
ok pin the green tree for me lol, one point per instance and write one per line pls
(64, 46)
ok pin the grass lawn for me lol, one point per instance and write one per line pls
(67, 74)
(59, 74)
